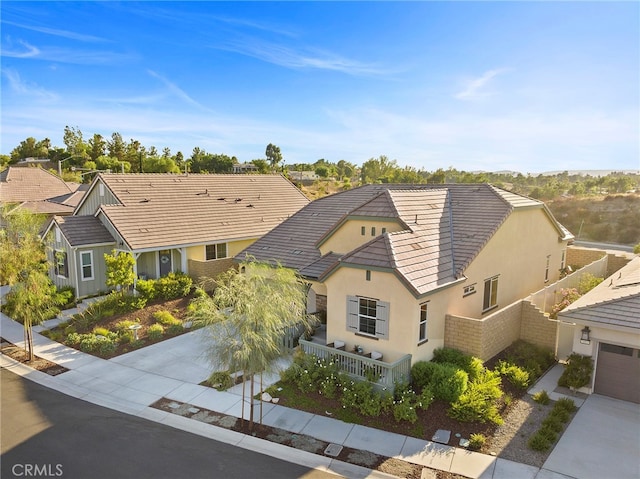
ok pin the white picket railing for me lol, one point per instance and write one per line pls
(362, 368)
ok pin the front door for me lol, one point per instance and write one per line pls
(164, 256)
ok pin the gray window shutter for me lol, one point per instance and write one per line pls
(66, 265)
(352, 314)
(382, 320)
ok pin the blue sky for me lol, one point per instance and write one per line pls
(491, 86)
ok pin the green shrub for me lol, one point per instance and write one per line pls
(588, 282)
(514, 374)
(101, 331)
(221, 380)
(539, 442)
(405, 405)
(534, 359)
(422, 373)
(172, 286)
(66, 297)
(165, 318)
(566, 404)
(553, 422)
(577, 373)
(446, 381)
(477, 441)
(478, 402)
(549, 432)
(176, 328)
(123, 326)
(451, 356)
(93, 343)
(542, 397)
(126, 337)
(146, 289)
(361, 397)
(450, 383)
(155, 332)
(560, 414)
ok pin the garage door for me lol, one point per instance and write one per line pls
(618, 372)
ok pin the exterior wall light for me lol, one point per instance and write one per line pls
(585, 337)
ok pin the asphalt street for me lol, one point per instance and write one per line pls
(45, 433)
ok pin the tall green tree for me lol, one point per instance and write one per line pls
(24, 269)
(246, 329)
(273, 154)
(97, 146)
(31, 148)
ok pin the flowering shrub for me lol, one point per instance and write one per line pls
(361, 396)
(406, 403)
(568, 295)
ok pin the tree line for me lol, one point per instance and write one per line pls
(81, 156)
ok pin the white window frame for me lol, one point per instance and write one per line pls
(546, 270)
(83, 266)
(354, 317)
(217, 256)
(422, 323)
(492, 294)
(63, 266)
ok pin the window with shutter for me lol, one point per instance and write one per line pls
(368, 316)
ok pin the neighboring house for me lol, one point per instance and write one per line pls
(39, 191)
(192, 223)
(607, 328)
(387, 263)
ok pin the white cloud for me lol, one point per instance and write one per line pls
(177, 91)
(27, 50)
(24, 88)
(474, 88)
(58, 33)
(299, 59)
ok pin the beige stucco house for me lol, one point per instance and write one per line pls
(387, 263)
(192, 223)
(606, 327)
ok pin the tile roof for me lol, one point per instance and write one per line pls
(614, 302)
(20, 184)
(83, 230)
(163, 210)
(447, 226)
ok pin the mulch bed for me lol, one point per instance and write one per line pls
(304, 442)
(19, 354)
(144, 316)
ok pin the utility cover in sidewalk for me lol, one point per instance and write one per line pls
(442, 436)
(333, 450)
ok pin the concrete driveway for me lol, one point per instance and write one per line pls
(602, 441)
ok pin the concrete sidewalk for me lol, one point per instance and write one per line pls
(173, 368)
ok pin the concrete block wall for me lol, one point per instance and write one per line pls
(500, 330)
(209, 269)
(464, 334)
(578, 257)
(536, 328)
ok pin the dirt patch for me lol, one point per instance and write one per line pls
(19, 354)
